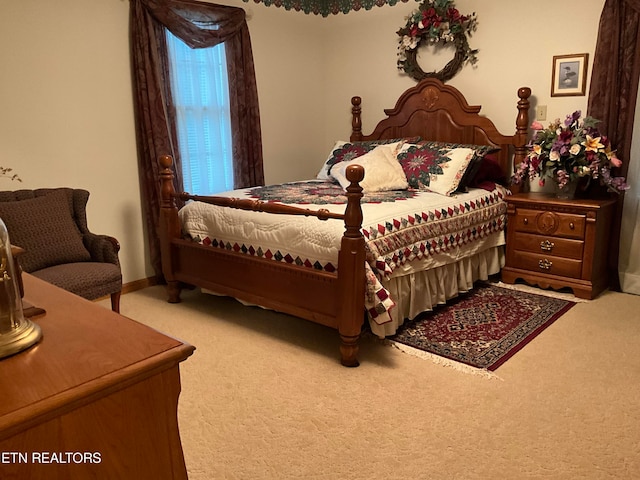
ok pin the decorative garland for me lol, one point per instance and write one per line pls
(326, 7)
(439, 23)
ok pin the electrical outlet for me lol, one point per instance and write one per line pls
(541, 112)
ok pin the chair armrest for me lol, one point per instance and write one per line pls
(102, 248)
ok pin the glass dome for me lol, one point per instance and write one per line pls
(17, 333)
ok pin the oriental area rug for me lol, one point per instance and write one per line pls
(482, 328)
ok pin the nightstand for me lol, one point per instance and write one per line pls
(557, 243)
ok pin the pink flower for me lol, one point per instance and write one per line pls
(616, 162)
(537, 126)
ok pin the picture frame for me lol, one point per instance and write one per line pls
(569, 77)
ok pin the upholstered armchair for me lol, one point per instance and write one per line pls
(50, 224)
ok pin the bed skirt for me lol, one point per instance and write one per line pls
(421, 291)
(417, 292)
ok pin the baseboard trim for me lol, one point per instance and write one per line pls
(134, 286)
(139, 284)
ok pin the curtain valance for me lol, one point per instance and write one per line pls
(199, 25)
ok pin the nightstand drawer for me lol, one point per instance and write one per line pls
(551, 265)
(545, 222)
(546, 245)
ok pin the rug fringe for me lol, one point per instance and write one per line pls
(539, 291)
(445, 362)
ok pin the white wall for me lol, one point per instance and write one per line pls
(66, 102)
(516, 39)
(630, 229)
(66, 110)
(289, 60)
(67, 113)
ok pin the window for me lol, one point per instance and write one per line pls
(200, 90)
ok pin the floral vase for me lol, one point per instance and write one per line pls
(568, 192)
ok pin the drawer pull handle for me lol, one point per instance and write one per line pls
(545, 264)
(572, 226)
(525, 221)
(547, 246)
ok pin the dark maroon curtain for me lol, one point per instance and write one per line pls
(613, 92)
(199, 25)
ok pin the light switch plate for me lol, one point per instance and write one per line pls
(541, 112)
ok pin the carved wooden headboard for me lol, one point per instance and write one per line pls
(439, 112)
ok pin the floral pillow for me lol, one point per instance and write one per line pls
(481, 149)
(432, 166)
(382, 172)
(344, 151)
(439, 148)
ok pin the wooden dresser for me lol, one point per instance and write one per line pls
(556, 243)
(97, 397)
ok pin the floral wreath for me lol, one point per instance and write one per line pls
(439, 23)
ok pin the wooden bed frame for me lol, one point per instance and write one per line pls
(431, 110)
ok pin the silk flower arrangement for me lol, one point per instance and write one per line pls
(568, 151)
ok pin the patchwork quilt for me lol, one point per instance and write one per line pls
(401, 228)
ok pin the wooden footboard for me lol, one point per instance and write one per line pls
(332, 299)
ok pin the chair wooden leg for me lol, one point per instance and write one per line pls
(115, 302)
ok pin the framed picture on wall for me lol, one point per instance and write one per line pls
(569, 78)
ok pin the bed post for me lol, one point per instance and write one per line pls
(522, 131)
(356, 120)
(351, 273)
(169, 227)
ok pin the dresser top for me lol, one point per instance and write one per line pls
(85, 349)
(549, 200)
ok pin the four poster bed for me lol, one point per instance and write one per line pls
(329, 252)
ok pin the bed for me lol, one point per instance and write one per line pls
(341, 253)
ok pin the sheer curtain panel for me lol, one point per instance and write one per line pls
(200, 91)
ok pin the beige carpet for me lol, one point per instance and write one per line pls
(264, 397)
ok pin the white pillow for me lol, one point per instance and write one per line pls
(381, 170)
(343, 151)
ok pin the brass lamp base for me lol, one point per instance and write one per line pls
(20, 338)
